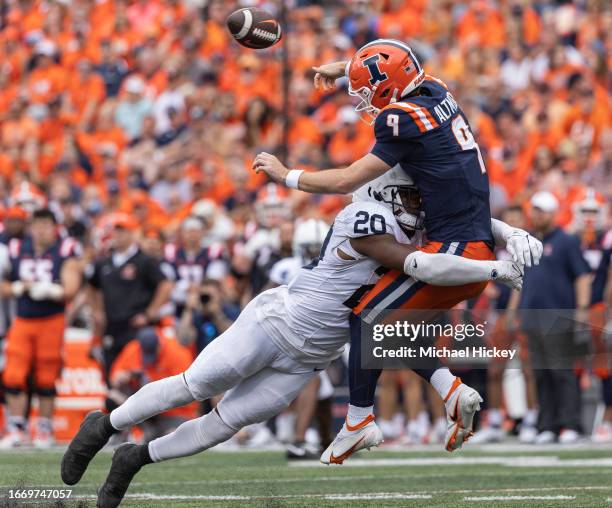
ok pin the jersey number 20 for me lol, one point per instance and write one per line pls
(376, 223)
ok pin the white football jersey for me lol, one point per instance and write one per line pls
(283, 271)
(308, 319)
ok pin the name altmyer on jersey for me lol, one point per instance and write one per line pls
(447, 108)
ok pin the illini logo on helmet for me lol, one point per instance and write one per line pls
(376, 76)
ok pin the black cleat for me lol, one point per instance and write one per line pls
(302, 451)
(127, 461)
(90, 438)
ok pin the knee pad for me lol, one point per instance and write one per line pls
(45, 391)
(173, 392)
(191, 437)
(150, 400)
(15, 378)
(13, 390)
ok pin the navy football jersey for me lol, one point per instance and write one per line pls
(191, 269)
(430, 138)
(46, 267)
(597, 254)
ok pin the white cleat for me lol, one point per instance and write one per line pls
(461, 403)
(13, 439)
(489, 435)
(603, 433)
(528, 434)
(43, 441)
(352, 439)
(569, 437)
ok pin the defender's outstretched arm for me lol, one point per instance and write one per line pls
(329, 181)
(436, 269)
(523, 247)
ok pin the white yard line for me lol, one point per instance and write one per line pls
(352, 478)
(373, 495)
(520, 498)
(509, 461)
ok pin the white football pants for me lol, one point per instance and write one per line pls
(258, 379)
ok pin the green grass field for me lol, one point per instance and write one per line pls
(493, 477)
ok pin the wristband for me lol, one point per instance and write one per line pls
(293, 177)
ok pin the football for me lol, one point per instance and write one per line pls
(254, 28)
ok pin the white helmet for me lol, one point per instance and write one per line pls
(308, 237)
(396, 190)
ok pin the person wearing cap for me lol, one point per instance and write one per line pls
(133, 108)
(555, 296)
(150, 357)
(129, 289)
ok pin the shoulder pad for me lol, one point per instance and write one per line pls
(170, 252)
(607, 240)
(403, 120)
(433, 79)
(69, 247)
(14, 247)
(365, 218)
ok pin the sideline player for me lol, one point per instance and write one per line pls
(418, 125)
(277, 344)
(44, 275)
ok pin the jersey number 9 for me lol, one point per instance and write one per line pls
(466, 140)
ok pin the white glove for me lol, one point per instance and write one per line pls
(46, 291)
(17, 288)
(508, 273)
(523, 247)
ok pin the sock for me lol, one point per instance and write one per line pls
(531, 418)
(152, 399)
(191, 437)
(145, 456)
(45, 425)
(442, 380)
(495, 418)
(107, 426)
(357, 414)
(16, 423)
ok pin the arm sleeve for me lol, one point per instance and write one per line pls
(446, 269)
(393, 129)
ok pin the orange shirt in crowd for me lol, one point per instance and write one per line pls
(344, 149)
(45, 84)
(172, 359)
(481, 26)
(85, 90)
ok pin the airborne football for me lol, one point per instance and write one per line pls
(305, 253)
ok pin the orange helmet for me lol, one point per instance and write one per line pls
(589, 210)
(28, 197)
(272, 206)
(381, 72)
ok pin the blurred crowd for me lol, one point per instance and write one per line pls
(145, 115)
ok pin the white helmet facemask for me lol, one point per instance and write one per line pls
(396, 190)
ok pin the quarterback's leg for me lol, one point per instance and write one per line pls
(239, 352)
(398, 291)
(253, 400)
